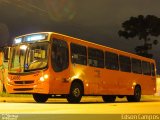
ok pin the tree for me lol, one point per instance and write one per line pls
(145, 28)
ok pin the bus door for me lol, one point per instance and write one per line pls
(60, 65)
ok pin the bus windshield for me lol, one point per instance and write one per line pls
(28, 57)
(36, 57)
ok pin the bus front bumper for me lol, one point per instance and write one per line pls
(42, 88)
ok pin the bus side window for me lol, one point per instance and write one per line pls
(125, 63)
(111, 61)
(95, 58)
(136, 66)
(59, 55)
(146, 67)
(78, 54)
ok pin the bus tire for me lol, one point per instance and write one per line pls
(137, 95)
(76, 92)
(121, 96)
(109, 98)
(40, 98)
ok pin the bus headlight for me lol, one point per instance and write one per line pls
(43, 78)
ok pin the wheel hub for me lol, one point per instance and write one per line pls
(76, 92)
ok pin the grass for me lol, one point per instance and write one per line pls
(4, 94)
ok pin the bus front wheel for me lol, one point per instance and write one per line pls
(40, 98)
(75, 94)
(109, 98)
(137, 95)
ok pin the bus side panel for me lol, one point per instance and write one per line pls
(84, 74)
(117, 82)
(123, 83)
(128, 81)
(148, 85)
(109, 82)
(92, 75)
(59, 82)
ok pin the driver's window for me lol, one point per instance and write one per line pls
(60, 57)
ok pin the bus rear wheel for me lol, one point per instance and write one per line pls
(109, 98)
(76, 92)
(40, 98)
(137, 95)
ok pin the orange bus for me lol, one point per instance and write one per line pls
(48, 64)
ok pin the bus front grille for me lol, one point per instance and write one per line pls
(23, 89)
(23, 82)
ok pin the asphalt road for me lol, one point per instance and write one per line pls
(89, 105)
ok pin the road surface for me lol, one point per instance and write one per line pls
(89, 105)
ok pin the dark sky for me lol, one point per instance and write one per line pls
(94, 20)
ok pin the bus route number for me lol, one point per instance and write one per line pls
(17, 77)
